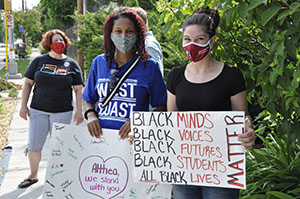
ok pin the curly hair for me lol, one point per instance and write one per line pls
(205, 16)
(47, 39)
(139, 46)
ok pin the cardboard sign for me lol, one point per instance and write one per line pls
(195, 148)
(84, 167)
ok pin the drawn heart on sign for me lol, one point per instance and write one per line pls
(103, 178)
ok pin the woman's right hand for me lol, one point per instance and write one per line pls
(24, 112)
(94, 127)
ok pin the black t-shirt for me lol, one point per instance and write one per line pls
(213, 95)
(53, 83)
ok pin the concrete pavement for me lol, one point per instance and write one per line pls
(17, 165)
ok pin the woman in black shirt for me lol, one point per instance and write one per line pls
(206, 84)
(53, 77)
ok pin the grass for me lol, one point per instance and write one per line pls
(22, 66)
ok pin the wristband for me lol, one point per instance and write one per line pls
(89, 110)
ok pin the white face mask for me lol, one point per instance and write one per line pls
(123, 44)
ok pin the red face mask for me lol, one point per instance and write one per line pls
(196, 52)
(58, 47)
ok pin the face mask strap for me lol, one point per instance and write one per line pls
(201, 45)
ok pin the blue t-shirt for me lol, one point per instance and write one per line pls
(143, 86)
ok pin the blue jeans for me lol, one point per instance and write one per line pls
(201, 192)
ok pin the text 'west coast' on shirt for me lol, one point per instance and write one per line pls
(143, 86)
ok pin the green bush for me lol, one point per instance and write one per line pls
(5, 85)
(273, 172)
(91, 35)
(12, 93)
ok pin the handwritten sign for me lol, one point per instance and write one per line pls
(195, 148)
(84, 167)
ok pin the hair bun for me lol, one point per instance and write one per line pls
(211, 12)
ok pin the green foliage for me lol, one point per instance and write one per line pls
(31, 20)
(1, 108)
(9, 87)
(2, 30)
(5, 85)
(22, 67)
(12, 93)
(91, 35)
(59, 14)
(28, 50)
(274, 170)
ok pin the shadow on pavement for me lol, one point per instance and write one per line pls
(34, 193)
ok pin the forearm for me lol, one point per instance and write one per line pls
(89, 106)
(25, 94)
(78, 100)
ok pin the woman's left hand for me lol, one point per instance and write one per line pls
(78, 118)
(124, 130)
(248, 138)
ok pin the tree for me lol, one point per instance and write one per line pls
(91, 35)
(60, 13)
(31, 20)
(2, 30)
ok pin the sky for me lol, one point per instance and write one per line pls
(17, 4)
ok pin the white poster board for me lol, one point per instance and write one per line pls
(195, 148)
(82, 167)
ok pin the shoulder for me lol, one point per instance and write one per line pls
(229, 69)
(42, 57)
(150, 61)
(178, 70)
(176, 73)
(99, 59)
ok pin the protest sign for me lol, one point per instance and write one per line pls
(82, 167)
(195, 148)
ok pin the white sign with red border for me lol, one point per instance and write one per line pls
(10, 21)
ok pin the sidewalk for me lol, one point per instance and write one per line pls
(18, 165)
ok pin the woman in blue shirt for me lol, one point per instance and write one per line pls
(124, 44)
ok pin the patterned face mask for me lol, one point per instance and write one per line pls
(123, 44)
(58, 47)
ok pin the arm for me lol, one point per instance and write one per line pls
(171, 102)
(27, 86)
(93, 123)
(160, 108)
(78, 118)
(239, 103)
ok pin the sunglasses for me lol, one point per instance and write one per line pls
(113, 80)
